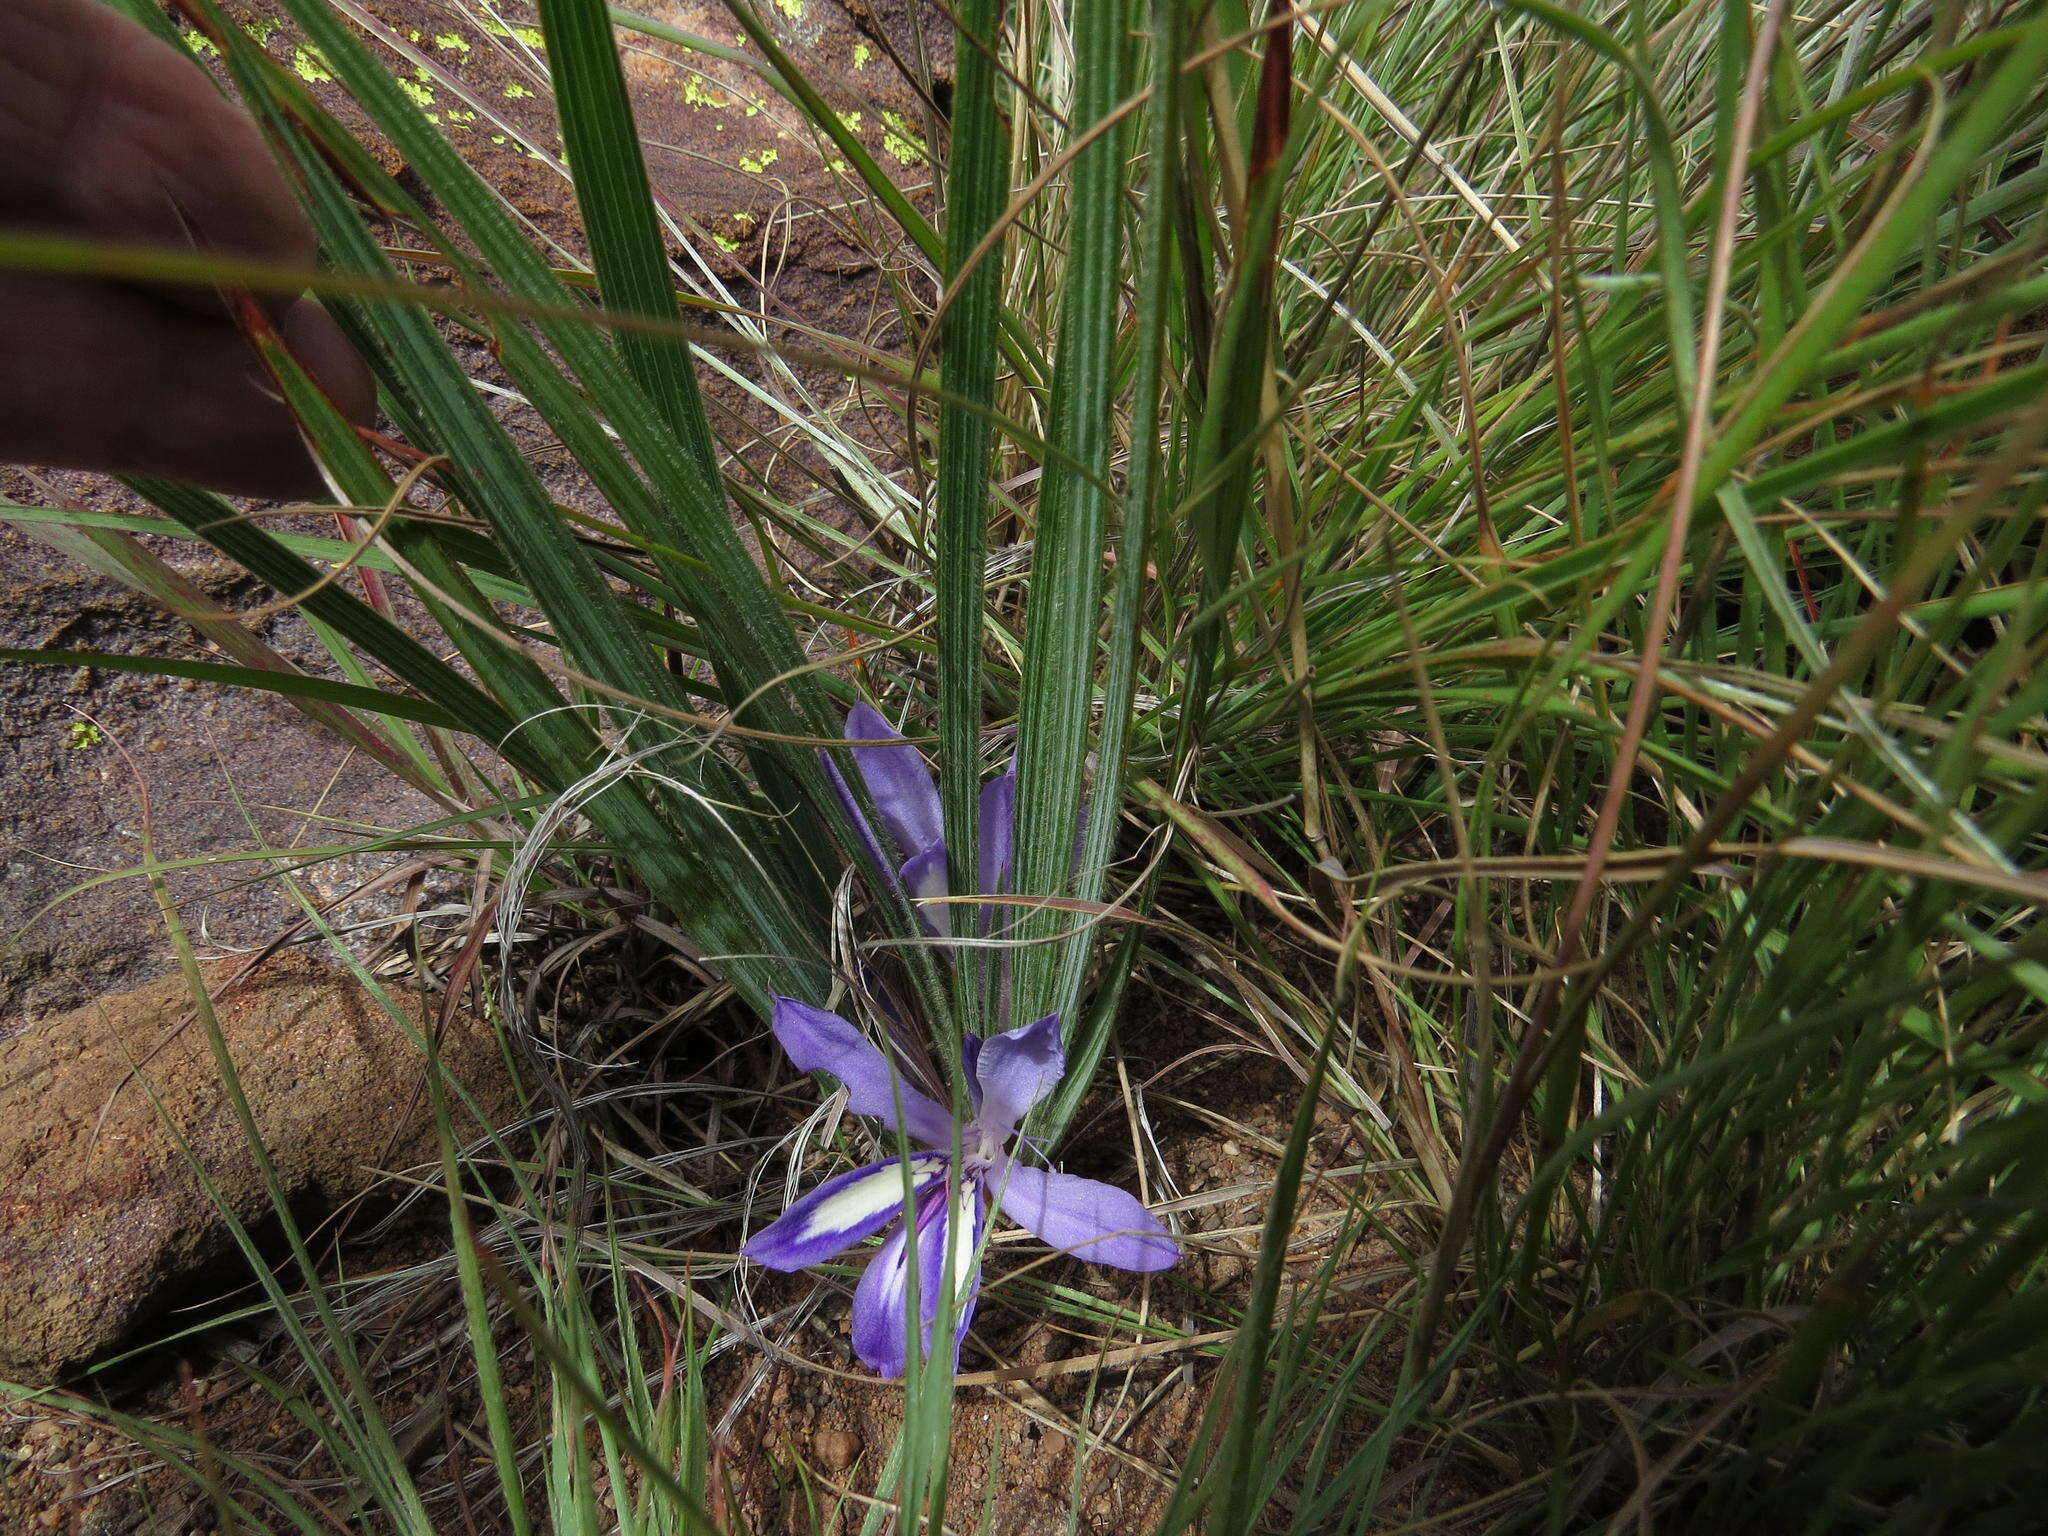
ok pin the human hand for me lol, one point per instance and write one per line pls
(105, 133)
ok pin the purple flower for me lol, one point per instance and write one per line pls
(1007, 1074)
(907, 798)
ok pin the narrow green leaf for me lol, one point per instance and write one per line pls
(976, 188)
(292, 684)
(256, 551)
(1058, 685)
(1156, 290)
(610, 170)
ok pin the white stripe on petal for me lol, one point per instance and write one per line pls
(841, 1212)
(864, 1199)
(965, 1230)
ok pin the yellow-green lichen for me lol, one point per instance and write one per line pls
(421, 96)
(451, 42)
(723, 242)
(515, 91)
(852, 120)
(260, 31)
(861, 54)
(530, 36)
(899, 143)
(793, 9)
(754, 165)
(697, 94)
(310, 65)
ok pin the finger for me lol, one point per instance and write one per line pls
(108, 378)
(106, 131)
(312, 337)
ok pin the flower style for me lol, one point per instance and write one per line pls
(907, 798)
(1007, 1074)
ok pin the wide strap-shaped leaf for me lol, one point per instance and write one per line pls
(681, 507)
(1089, 1030)
(619, 219)
(976, 186)
(1058, 687)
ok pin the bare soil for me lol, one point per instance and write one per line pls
(224, 772)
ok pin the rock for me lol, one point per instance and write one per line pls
(837, 1448)
(102, 1222)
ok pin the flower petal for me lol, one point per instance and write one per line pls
(903, 788)
(879, 1307)
(998, 831)
(970, 1064)
(881, 1302)
(868, 841)
(1018, 1069)
(840, 1212)
(925, 875)
(1089, 1219)
(818, 1041)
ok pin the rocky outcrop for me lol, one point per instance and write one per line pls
(103, 1112)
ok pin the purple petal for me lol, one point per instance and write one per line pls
(818, 1041)
(880, 1305)
(903, 788)
(998, 831)
(925, 875)
(881, 1302)
(868, 841)
(970, 1065)
(841, 1212)
(1016, 1070)
(1089, 1219)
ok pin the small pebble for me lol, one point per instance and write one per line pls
(836, 1448)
